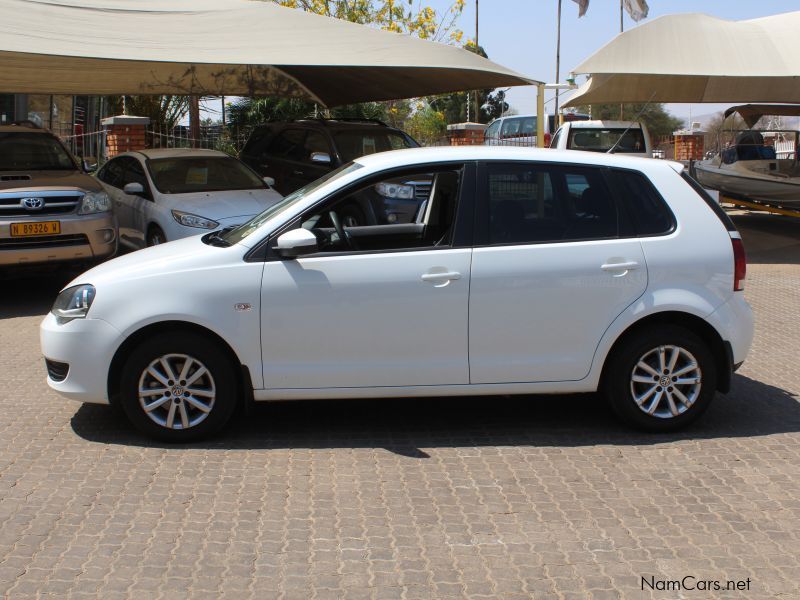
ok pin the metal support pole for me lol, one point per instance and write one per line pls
(540, 116)
(558, 59)
(194, 121)
(477, 108)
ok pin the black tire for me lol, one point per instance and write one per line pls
(219, 378)
(351, 216)
(155, 236)
(619, 386)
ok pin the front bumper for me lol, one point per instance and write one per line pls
(87, 346)
(82, 237)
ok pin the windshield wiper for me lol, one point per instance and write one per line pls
(215, 238)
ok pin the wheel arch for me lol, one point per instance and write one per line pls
(241, 372)
(721, 350)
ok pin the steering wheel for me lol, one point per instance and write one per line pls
(337, 225)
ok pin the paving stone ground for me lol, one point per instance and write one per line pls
(440, 498)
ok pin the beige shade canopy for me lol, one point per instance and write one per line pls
(697, 58)
(223, 47)
(751, 113)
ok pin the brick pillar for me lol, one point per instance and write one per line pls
(124, 134)
(466, 134)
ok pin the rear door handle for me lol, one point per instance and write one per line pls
(624, 267)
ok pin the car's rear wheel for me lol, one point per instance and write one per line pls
(661, 379)
(178, 387)
(155, 236)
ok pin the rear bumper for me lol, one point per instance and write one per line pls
(82, 238)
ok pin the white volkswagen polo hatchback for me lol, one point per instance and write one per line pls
(525, 271)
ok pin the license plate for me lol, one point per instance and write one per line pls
(41, 228)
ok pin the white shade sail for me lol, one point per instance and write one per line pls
(697, 58)
(216, 47)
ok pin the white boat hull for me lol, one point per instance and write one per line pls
(755, 180)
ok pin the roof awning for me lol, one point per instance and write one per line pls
(697, 58)
(223, 47)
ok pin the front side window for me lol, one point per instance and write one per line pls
(184, 175)
(315, 142)
(20, 151)
(288, 144)
(536, 203)
(424, 205)
(519, 127)
(113, 173)
(493, 130)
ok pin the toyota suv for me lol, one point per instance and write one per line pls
(295, 153)
(51, 210)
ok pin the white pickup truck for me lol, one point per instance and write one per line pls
(620, 137)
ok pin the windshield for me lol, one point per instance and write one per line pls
(21, 151)
(602, 140)
(187, 174)
(237, 234)
(353, 144)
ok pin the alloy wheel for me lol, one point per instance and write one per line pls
(666, 381)
(177, 391)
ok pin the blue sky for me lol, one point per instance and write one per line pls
(521, 34)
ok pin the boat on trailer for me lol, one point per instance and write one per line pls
(753, 169)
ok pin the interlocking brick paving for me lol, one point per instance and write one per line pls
(425, 498)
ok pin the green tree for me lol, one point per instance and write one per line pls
(659, 122)
(426, 125)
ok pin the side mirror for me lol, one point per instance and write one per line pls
(133, 189)
(88, 167)
(296, 242)
(321, 158)
(270, 181)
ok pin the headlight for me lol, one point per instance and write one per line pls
(191, 220)
(94, 202)
(395, 190)
(73, 303)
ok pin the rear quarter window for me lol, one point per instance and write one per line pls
(645, 207)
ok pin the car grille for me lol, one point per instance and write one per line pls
(57, 371)
(43, 241)
(55, 203)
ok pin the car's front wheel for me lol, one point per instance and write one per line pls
(661, 379)
(178, 387)
(155, 236)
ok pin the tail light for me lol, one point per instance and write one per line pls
(739, 264)
(547, 140)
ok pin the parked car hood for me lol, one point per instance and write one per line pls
(183, 254)
(11, 181)
(225, 204)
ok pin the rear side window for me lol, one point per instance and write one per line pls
(713, 205)
(535, 203)
(643, 204)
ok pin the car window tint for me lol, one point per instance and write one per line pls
(315, 142)
(189, 174)
(354, 144)
(602, 140)
(134, 173)
(288, 144)
(113, 172)
(492, 130)
(530, 203)
(257, 144)
(643, 204)
(519, 126)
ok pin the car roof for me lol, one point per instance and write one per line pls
(176, 152)
(604, 124)
(414, 156)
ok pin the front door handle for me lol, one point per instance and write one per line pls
(298, 172)
(441, 279)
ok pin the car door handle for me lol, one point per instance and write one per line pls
(446, 276)
(620, 266)
(298, 172)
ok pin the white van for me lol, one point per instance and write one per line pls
(625, 137)
(516, 130)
